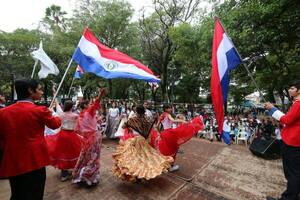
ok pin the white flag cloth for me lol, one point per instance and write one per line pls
(79, 93)
(47, 65)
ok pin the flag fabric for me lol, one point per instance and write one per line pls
(96, 58)
(79, 93)
(79, 72)
(47, 65)
(224, 58)
(154, 85)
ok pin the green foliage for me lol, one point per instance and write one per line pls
(174, 41)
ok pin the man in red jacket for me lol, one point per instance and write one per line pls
(24, 150)
(291, 143)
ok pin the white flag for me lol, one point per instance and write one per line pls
(154, 86)
(47, 65)
(79, 93)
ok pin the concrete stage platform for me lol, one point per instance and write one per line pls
(208, 171)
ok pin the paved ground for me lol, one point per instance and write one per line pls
(208, 171)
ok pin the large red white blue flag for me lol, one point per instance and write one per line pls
(224, 58)
(94, 57)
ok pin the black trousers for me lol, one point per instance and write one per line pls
(291, 168)
(29, 186)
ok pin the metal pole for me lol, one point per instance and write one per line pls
(254, 82)
(62, 80)
(71, 87)
(34, 66)
(249, 74)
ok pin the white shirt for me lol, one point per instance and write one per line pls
(113, 112)
(131, 114)
(226, 127)
(166, 122)
(68, 120)
(148, 113)
(278, 134)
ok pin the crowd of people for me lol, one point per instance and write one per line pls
(68, 136)
(237, 126)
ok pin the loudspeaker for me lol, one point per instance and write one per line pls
(267, 149)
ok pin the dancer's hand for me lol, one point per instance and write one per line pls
(268, 106)
(102, 92)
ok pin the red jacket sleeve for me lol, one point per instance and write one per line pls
(48, 119)
(293, 114)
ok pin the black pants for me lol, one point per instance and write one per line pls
(291, 168)
(29, 186)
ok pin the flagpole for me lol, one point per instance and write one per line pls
(34, 66)
(243, 63)
(62, 80)
(71, 87)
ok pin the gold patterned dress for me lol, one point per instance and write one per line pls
(134, 157)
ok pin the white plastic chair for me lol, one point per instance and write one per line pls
(243, 135)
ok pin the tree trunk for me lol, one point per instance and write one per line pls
(271, 95)
(164, 83)
(281, 96)
(110, 88)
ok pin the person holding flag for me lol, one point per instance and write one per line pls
(22, 142)
(290, 135)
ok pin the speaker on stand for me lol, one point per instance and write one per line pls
(267, 149)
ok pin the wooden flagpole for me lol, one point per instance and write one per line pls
(60, 84)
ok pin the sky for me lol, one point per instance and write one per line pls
(27, 13)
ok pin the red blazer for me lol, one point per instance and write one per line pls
(22, 137)
(291, 132)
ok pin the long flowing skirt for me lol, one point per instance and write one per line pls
(112, 126)
(136, 159)
(169, 141)
(88, 164)
(64, 149)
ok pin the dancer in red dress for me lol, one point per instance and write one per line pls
(169, 140)
(87, 169)
(134, 158)
(166, 142)
(64, 147)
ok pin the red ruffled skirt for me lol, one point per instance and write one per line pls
(64, 149)
(168, 141)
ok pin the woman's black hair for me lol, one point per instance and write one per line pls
(83, 104)
(22, 86)
(140, 110)
(166, 106)
(68, 105)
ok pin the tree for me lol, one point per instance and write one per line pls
(158, 47)
(110, 21)
(267, 29)
(55, 18)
